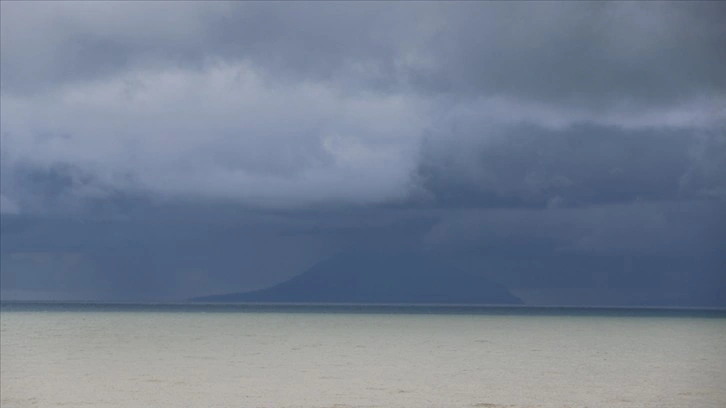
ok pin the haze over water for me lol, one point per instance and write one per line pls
(206, 356)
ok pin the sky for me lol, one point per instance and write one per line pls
(574, 152)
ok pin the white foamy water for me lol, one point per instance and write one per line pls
(150, 359)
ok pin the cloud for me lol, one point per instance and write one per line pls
(161, 150)
(653, 228)
(532, 166)
(161, 253)
(8, 206)
(72, 42)
(289, 105)
(221, 133)
(595, 57)
(571, 54)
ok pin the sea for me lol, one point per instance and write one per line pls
(335, 356)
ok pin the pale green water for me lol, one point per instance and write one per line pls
(204, 358)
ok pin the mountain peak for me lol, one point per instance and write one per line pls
(379, 277)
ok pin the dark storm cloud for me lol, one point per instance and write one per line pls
(642, 253)
(159, 149)
(579, 53)
(302, 40)
(289, 104)
(632, 53)
(176, 251)
(640, 227)
(530, 166)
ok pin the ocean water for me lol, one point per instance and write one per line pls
(235, 356)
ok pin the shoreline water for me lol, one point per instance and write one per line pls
(466, 309)
(384, 357)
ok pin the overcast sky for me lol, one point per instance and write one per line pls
(574, 152)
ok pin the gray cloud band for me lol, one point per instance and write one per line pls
(304, 104)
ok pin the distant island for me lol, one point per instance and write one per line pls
(379, 277)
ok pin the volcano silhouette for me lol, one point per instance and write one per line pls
(379, 277)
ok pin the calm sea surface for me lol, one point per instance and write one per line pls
(294, 356)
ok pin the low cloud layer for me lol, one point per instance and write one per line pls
(604, 116)
(224, 133)
(273, 104)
